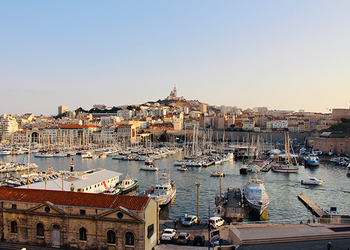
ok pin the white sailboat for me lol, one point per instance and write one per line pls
(285, 162)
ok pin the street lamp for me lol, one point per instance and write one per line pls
(198, 185)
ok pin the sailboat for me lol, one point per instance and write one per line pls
(284, 162)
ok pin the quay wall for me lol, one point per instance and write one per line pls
(240, 136)
(330, 145)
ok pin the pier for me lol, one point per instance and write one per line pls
(311, 205)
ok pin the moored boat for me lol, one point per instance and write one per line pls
(164, 191)
(149, 167)
(127, 184)
(255, 195)
(312, 160)
(217, 174)
(182, 168)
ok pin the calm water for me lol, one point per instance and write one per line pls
(282, 188)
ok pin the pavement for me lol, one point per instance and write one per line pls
(302, 236)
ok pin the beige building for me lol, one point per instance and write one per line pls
(63, 219)
(126, 133)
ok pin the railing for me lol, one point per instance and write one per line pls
(332, 220)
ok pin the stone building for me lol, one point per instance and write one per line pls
(78, 220)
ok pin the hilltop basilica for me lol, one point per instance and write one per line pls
(173, 95)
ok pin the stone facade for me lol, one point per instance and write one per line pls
(70, 225)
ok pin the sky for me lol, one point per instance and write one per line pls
(285, 55)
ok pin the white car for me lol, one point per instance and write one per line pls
(168, 234)
(216, 222)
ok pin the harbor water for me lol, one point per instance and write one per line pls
(282, 188)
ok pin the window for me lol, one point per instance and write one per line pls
(111, 237)
(129, 239)
(82, 234)
(150, 231)
(120, 215)
(13, 227)
(39, 229)
(82, 212)
(14, 206)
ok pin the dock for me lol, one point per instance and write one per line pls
(233, 209)
(311, 205)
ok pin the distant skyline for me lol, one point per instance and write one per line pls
(285, 55)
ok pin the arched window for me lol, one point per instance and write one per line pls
(39, 229)
(111, 237)
(82, 234)
(129, 239)
(13, 227)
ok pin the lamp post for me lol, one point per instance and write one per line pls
(198, 185)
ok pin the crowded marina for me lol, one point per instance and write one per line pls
(282, 188)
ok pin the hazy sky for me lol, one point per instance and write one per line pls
(277, 54)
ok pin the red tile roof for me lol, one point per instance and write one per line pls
(73, 198)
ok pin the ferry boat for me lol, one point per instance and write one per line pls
(255, 195)
(164, 191)
(127, 184)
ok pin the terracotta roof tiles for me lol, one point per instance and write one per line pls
(73, 198)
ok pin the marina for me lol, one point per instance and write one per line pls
(283, 188)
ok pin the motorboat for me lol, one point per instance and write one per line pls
(113, 191)
(5, 151)
(43, 155)
(312, 181)
(149, 167)
(127, 184)
(182, 168)
(332, 210)
(217, 174)
(312, 160)
(164, 191)
(255, 195)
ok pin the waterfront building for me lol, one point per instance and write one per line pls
(78, 220)
(126, 133)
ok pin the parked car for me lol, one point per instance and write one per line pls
(199, 240)
(190, 220)
(168, 234)
(183, 238)
(216, 222)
